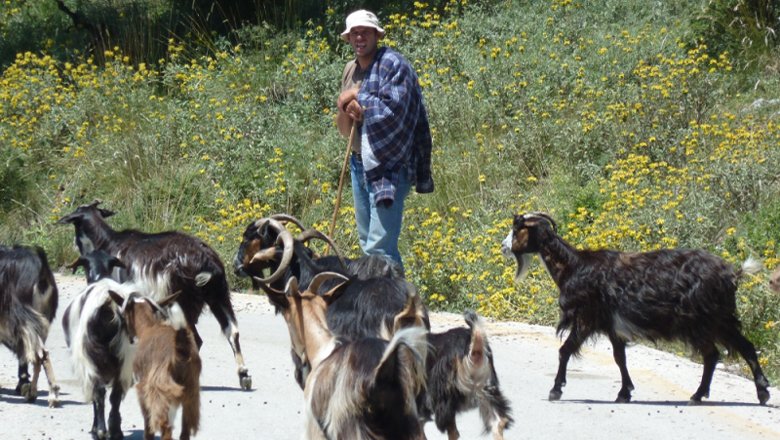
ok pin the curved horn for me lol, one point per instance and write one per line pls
(287, 240)
(546, 217)
(325, 276)
(309, 234)
(266, 288)
(290, 219)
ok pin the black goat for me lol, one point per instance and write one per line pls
(163, 263)
(462, 376)
(375, 294)
(97, 265)
(672, 294)
(369, 303)
(28, 304)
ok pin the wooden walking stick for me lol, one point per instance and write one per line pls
(341, 179)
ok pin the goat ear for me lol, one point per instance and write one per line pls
(70, 218)
(168, 300)
(411, 315)
(264, 255)
(106, 213)
(116, 262)
(117, 298)
(79, 262)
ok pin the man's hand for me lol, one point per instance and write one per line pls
(348, 104)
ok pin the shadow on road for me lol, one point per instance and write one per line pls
(663, 403)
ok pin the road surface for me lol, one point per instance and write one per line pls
(526, 360)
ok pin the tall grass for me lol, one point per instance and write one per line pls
(629, 131)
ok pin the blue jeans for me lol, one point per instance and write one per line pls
(378, 227)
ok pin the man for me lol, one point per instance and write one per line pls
(391, 148)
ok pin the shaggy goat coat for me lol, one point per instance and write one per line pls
(670, 294)
(168, 368)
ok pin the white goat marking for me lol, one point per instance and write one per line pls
(176, 318)
(147, 280)
(506, 245)
(96, 295)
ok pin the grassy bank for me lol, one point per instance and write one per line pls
(614, 118)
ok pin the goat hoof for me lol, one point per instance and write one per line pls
(21, 386)
(763, 396)
(623, 399)
(246, 382)
(555, 395)
(27, 392)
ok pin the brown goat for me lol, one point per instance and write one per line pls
(366, 388)
(166, 364)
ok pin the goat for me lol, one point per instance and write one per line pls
(670, 294)
(166, 364)
(462, 376)
(97, 265)
(376, 294)
(774, 280)
(28, 304)
(162, 263)
(367, 307)
(101, 349)
(366, 388)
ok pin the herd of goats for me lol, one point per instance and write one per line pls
(361, 345)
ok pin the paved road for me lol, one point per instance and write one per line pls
(526, 360)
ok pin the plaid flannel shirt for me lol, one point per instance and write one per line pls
(396, 124)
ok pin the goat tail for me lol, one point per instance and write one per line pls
(160, 395)
(478, 345)
(203, 278)
(191, 410)
(404, 361)
(750, 266)
(31, 329)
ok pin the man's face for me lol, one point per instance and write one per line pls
(363, 40)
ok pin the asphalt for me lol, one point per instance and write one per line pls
(526, 361)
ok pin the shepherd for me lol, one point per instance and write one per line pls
(382, 101)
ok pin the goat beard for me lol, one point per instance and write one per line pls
(523, 261)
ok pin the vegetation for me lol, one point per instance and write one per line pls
(633, 124)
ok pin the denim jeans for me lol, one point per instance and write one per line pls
(379, 227)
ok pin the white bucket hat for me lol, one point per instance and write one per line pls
(362, 18)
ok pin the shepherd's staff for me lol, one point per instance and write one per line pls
(341, 180)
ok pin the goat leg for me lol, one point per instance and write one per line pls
(619, 353)
(54, 389)
(224, 314)
(98, 430)
(569, 347)
(748, 352)
(710, 356)
(32, 390)
(114, 417)
(23, 386)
